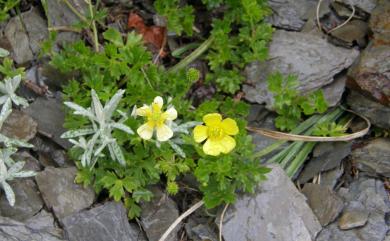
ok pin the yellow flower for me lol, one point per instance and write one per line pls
(156, 120)
(218, 133)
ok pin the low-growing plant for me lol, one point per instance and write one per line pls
(163, 147)
(290, 105)
(5, 7)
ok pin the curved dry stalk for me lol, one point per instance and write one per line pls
(221, 221)
(318, 15)
(294, 137)
(346, 21)
(180, 218)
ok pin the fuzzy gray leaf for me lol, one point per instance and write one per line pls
(9, 193)
(112, 104)
(77, 133)
(118, 153)
(79, 110)
(177, 149)
(122, 127)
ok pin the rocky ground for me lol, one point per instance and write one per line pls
(341, 194)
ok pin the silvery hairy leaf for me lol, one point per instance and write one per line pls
(77, 133)
(177, 149)
(97, 107)
(112, 104)
(5, 111)
(9, 193)
(117, 152)
(10, 142)
(8, 88)
(3, 53)
(122, 127)
(79, 110)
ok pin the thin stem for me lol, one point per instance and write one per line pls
(75, 11)
(94, 30)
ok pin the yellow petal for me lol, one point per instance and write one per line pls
(145, 131)
(200, 133)
(230, 126)
(212, 119)
(164, 133)
(170, 114)
(227, 144)
(212, 148)
(144, 111)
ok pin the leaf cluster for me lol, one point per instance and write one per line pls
(290, 104)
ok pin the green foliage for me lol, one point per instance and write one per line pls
(126, 64)
(329, 129)
(5, 7)
(179, 19)
(289, 104)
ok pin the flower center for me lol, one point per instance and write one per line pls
(156, 118)
(215, 133)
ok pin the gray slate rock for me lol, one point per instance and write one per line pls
(24, 45)
(326, 156)
(325, 203)
(366, 5)
(107, 222)
(277, 211)
(331, 177)
(20, 126)
(353, 219)
(11, 230)
(290, 14)
(378, 114)
(50, 153)
(374, 157)
(334, 91)
(49, 114)
(28, 201)
(158, 214)
(363, 194)
(310, 57)
(44, 221)
(61, 194)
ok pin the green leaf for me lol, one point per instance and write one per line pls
(114, 36)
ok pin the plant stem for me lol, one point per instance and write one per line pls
(75, 11)
(94, 30)
(300, 159)
(194, 55)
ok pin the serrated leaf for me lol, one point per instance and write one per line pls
(142, 195)
(114, 36)
(116, 191)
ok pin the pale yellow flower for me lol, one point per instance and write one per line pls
(156, 120)
(218, 133)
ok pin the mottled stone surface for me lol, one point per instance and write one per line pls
(28, 201)
(24, 45)
(378, 114)
(353, 219)
(20, 126)
(49, 114)
(103, 223)
(277, 211)
(290, 14)
(310, 57)
(11, 230)
(374, 157)
(61, 194)
(158, 214)
(325, 203)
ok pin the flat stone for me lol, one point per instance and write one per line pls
(366, 5)
(11, 230)
(28, 202)
(49, 114)
(310, 57)
(50, 153)
(290, 14)
(355, 31)
(353, 219)
(374, 157)
(107, 222)
(330, 178)
(379, 22)
(334, 91)
(44, 221)
(20, 126)
(326, 156)
(61, 194)
(158, 214)
(24, 45)
(277, 211)
(377, 113)
(325, 203)
(31, 163)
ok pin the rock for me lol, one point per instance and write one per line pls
(277, 211)
(44, 221)
(25, 45)
(353, 219)
(11, 230)
(20, 126)
(366, 5)
(326, 156)
(59, 14)
(330, 178)
(310, 57)
(378, 114)
(325, 203)
(354, 32)
(49, 114)
(31, 162)
(50, 154)
(158, 214)
(379, 23)
(374, 157)
(334, 91)
(363, 194)
(202, 232)
(290, 14)
(371, 74)
(61, 194)
(107, 222)
(28, 201)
